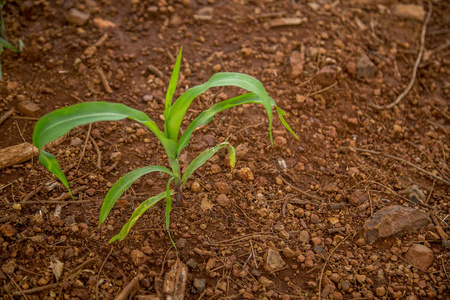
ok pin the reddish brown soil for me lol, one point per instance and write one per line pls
(55, 70)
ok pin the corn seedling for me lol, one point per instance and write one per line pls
(61, 121)
(3, 42)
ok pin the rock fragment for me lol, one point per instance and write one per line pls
(204, 14)
(358, 197)
(365, 68)
(200, 284)
(304, 237)
(104, 24)
(241, 151)
(296, 61)
(138, 257)
(175, 281)
(223, 200)
(245, 174)
(419, 256)
(273, 260)
(29, 108)
(392, 220)
(326, 76)
(409, 11)
(77, 17)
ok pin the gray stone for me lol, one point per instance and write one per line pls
(191, 263)
(415, 195)
(392, 220)
(365, 68)
(69, 220)
(241, 151)
(273, 260)
(200, 284)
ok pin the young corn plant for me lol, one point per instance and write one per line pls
(3, 42)
(61, 121)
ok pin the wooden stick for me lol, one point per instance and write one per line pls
(286, 22)
(84, 147)
(416, 65)
(299, 190)
(99, 153)
(155, 71)
(100, 271)
(104, 81)
(65, 196)
(131, 289)
(36, 290)
(17, 154)
(404, 161)
(323, 90)
(6, 115)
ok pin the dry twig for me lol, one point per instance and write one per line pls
(404, 161)
(299, 190)
(105, 82)
(6, 115)
(84, 147)
(100, 271)
(416, 65)
(326, 261)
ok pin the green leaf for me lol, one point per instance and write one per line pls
(137, 214)
(172, 88)
(206, 116)
(61, 121)
(122, 185)
(200, 160)
(50, 162)
(281, 114)
(232, 155)
(243, 81)
(7, 45)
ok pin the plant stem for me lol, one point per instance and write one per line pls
(179, 191)
(2, 25)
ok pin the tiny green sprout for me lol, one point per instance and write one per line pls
(3, 42)
(61, 121)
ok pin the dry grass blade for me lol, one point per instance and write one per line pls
(404, 161)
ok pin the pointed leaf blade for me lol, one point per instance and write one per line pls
(232, 156)
(51, 163)
(206, 116)
(61, 121)
(243, 81)
(138, 212)
(200, 160)
(7, 45)
(173, 84)
(122, 185)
